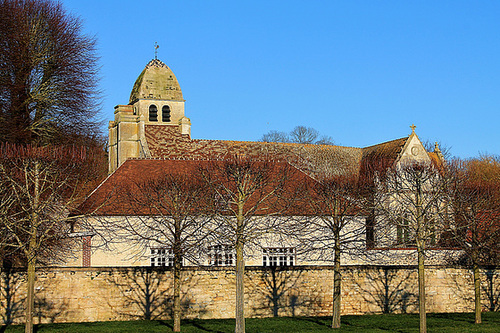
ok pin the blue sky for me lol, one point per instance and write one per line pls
(359, 71)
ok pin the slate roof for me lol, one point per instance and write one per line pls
(389, 149)
(317, 161)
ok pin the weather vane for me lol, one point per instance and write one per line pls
(156, 50)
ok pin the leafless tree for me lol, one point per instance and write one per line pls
(166, 215)
(438, 147)
(414, 201)
(325, 140)
(275, 136)
(300, 134)
(335, 227)
(39, 187)
(252, 196)
(476, 223)
(48, 75)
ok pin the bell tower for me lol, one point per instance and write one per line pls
(156, 100)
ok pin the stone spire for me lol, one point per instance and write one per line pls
(156, 82)
(438, 152)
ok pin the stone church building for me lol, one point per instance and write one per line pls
(152, 132)
(154, 125)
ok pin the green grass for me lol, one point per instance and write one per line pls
(437, 322)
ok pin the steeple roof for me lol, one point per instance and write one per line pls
(156, 81)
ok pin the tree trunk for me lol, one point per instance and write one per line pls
(30, 297)
(337, 282)
(240, 271)
(32, 252)
(420, 241)
(477, 293)
(421, 291)
(177, 292)
(30, 292)
(240, 288)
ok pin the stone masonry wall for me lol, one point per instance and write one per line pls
(101, 294)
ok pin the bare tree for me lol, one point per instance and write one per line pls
(486, 168)
(325, 140)
(166, 217)
(476, 223)
(300, 134)
(275, 136)
(250, 197)
(414, 200)
(335, 228)
(439, 148)
(39, 187)
(48, 75)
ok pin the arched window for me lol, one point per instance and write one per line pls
(153, 113)
(165, 114)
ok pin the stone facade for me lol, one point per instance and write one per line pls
(126, 293)
(157, 88)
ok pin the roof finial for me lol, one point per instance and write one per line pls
(413, 128)
(156, 50)
(438, 151)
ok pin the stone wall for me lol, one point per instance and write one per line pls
(100, 294)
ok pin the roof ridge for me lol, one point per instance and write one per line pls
(386, 142)
(278, 143)
(255, 158)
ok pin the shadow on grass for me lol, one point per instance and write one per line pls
(165, 323)
(320, 321)
(463, 317)
(403, 323)
(200, 327)
(198, 324)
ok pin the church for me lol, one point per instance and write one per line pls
(152, 132)
(153, 125)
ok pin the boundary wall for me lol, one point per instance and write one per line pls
(126, 293)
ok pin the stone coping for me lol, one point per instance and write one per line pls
(247, 268)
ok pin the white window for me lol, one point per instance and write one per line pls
(278, 256)
(162, 256)
(221, 255)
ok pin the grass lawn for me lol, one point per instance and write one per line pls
(437, 322)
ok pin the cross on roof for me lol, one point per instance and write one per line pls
(156, 50)
(413, 128)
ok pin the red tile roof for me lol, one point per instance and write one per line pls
(112, 197)
(176, 153)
